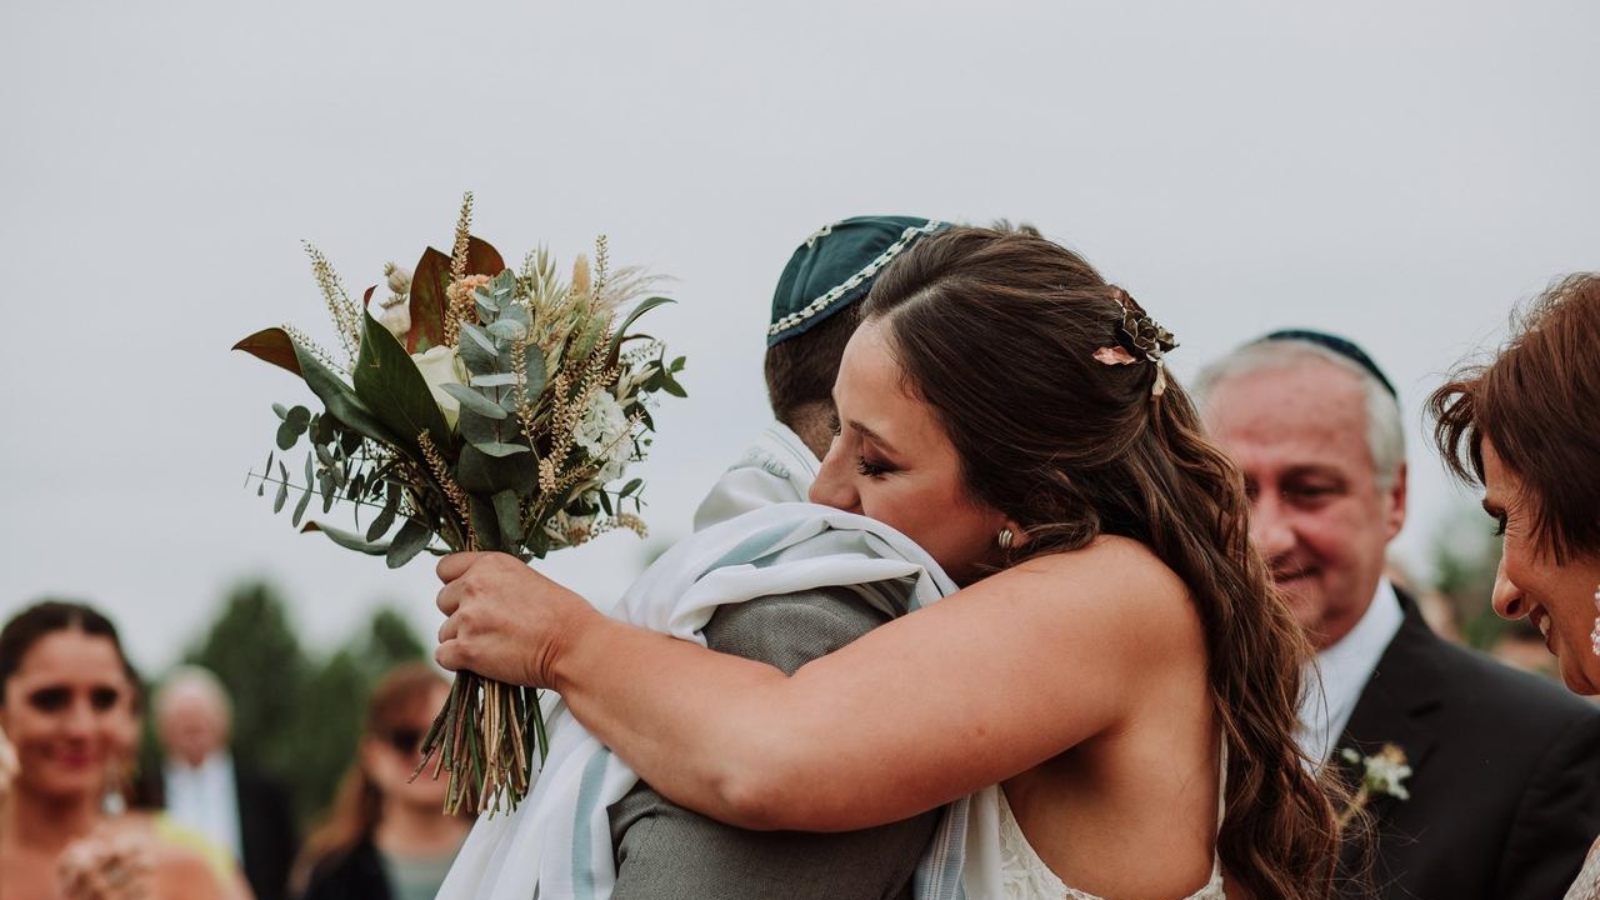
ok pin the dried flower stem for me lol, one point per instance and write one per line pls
(441, 474)
(346, 315)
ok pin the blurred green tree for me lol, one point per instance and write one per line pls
(1466, 555)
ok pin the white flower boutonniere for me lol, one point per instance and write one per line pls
(1382, 775)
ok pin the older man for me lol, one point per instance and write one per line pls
(203, 788)
(1502, 798)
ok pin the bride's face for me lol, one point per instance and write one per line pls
(892, 461)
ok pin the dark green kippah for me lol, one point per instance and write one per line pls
(835, 267)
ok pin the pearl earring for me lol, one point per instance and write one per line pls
(1005, 538)
(1594, 636)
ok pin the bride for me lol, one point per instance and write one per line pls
(1116, 659)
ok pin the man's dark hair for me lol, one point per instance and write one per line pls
(802, 369)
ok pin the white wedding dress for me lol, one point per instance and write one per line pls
(1025, 876)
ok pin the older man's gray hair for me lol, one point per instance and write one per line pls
(193, 681)
(1386, 439)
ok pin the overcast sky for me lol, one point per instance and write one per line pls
(1400, 173)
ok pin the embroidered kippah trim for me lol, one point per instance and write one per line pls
(854, 281)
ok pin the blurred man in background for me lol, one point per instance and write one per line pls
(1492, 807)
(204, 788)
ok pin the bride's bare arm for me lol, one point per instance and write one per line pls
(933, 706)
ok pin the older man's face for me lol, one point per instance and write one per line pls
(1298, 432)
(192, 727)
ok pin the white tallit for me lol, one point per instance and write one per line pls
(557, 844)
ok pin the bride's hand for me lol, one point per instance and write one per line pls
(505, 621)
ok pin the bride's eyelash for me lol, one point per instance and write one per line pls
(872, 468)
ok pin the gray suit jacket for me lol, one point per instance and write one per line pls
(666, 852)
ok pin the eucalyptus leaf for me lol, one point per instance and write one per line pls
(326, 478)
(605, 503)
(299, 417)
(476, 428)
(480, 473)
(499, 449)
(287, 436)
(631, 486)
(385, 519)
(300, 508)
(408, 543)
(508, 329)
(281, 410)
(471, 399)
(498, 379)
(535, 371)
(346, 539)
(485, 523)
(509, 516)
(478, 350)
(283, 497)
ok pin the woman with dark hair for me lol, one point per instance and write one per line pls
(1116, 659)
(384, 837)
(1523, 425)
(69, 703)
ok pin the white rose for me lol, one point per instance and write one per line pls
(393, 313)
(441, 366)
(601, 425)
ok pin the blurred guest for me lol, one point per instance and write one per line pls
(1523, 426)
(1521, 646)
(1488, 787)
(386, 837)
(69, 704)
(204, 788)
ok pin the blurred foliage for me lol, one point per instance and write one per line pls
(1466, 554)
(295, 716)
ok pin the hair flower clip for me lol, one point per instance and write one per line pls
(1139, 339)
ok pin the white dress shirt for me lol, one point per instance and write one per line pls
(206, 799)
(1336, 679)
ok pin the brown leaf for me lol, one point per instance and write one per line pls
(483, 259)
(428, 301)
(272, 345)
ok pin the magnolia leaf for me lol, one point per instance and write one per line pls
(497, 379)
(346, 540)
(622, 330)
(479, 473)
(408, 543)
(509, 517)
(272, 345)
(471, 399)
(482, 259)
(499, 449)
(428, 303)
(341, 399)
(388, 381)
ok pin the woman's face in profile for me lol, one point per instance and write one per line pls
(69, 712)
(391, 757)
(1558, 599)
(893, 461)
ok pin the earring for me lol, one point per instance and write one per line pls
(1594, 636)
(1005, 538)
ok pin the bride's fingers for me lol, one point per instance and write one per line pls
(448, 630)
(456, 564)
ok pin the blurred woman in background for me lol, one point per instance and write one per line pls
(386, 837)
(1526, 426)
(69, 705)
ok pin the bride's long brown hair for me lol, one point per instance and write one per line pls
(998, 332)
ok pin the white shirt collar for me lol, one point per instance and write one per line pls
(1339, 675)
(205, 798)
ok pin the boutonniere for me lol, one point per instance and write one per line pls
(1382, 775)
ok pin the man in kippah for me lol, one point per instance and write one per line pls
(665, 852)
(1480, 780)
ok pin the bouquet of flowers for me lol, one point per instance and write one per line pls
(474, 408)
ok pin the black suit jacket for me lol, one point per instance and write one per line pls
(1505, 791)
(266, 832)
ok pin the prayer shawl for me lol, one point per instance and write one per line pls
(557, 844)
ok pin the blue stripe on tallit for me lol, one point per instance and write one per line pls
(594, 773)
